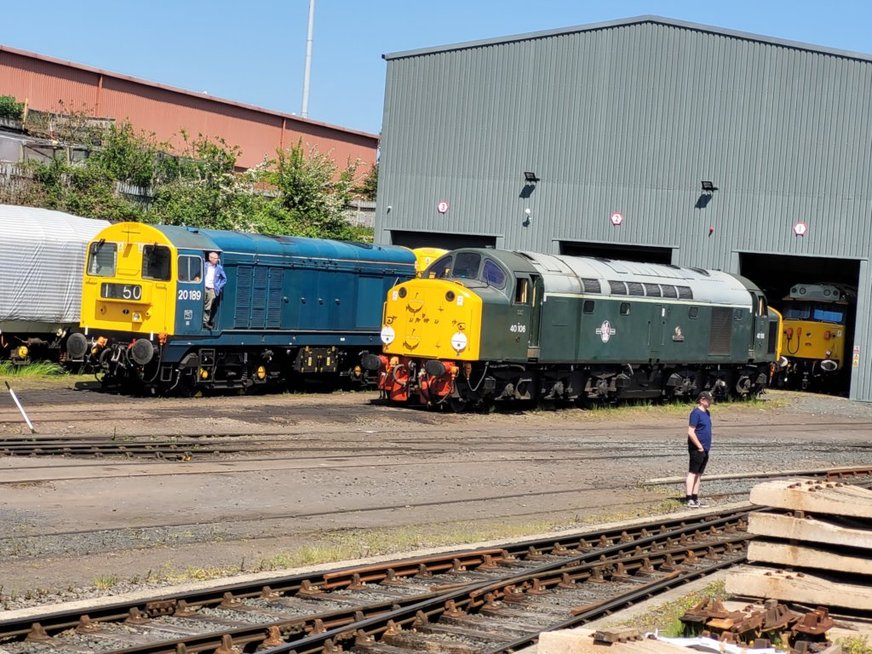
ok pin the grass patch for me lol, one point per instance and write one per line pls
(654, 410)
(39, 375)
(106, 583)
(666, 619)
(336, 546)
(855, 645)
(38, 369)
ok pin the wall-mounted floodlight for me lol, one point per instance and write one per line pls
(708, 187)
(530, 178)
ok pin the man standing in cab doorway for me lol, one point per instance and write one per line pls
(699, 442)
(214, 281)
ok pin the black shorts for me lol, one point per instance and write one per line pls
(698, 461)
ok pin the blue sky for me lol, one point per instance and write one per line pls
(254, 51)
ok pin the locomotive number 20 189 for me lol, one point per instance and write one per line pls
(185, 294)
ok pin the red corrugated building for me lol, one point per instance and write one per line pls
(45, 83)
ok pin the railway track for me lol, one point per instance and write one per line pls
(187, 447)
(488, 600)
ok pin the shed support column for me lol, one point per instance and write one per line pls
(861, 376)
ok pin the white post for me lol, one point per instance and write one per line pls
(305, 110)
(20, 408)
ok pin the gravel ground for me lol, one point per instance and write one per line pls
(435, 479)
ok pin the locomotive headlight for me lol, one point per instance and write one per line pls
(459, 341)
(388, 335)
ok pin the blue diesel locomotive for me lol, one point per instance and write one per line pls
(292, 307)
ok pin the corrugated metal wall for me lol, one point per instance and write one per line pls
(46, 83)
(630, 118)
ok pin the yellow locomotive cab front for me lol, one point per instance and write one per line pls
(816, 340)
(128, 282)
(432, 319)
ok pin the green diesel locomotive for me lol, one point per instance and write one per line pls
(483, 326)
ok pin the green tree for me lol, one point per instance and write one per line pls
(297, 193)
(310, 196)
(11, 108)
(127, 157)
(369, 186)
(203, 189)
(79, 189)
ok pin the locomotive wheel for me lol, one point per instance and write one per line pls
(486, 407)
(456, 404)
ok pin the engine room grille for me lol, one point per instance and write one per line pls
(721, 332)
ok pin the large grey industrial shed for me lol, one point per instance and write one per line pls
(646, 138)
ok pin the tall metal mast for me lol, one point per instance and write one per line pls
(304, 112)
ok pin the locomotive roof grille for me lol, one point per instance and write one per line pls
(636, 288)
(652, 290)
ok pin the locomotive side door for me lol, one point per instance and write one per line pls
(538, 289)
(656, 326)
(758, 346)
(189, 293)
(526, 320)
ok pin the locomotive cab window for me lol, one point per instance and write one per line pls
(492, 274)
(761, 306)
(156, 262)
(441, 268)
(797, 312)
(466, 265)
(190, 269)
(625, 308)
(101, 259)
(828, 314)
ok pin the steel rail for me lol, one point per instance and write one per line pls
(590, 544)
(420, 607)
(465, 599)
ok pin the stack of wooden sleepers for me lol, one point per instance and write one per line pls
(812, 545)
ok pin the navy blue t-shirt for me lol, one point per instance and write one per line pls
(701, 421)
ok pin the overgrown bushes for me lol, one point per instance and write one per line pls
(298, 192)
(11, 108)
